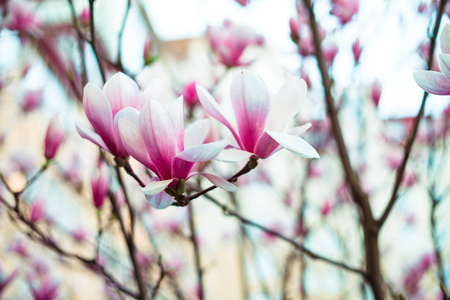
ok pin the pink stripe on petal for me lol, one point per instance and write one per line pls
(444, 64)
(160, 201)
(133, 143)
(433, 82)
(98, 111)
(294, 144)
(251, 104)
(266, 146)
(213, 109)
(159, 135)
(121, 92)
(286, 104)
(86, 133)
(218, 181)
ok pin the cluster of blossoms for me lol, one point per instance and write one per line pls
(127, 122)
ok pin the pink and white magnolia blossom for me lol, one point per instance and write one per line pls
(104, 107)
(22, 17)
(157, 138)
(433, 82)
(260, 121)
(230, 41)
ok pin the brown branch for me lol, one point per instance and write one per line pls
(81, 39)
(127, 198)
(193, 239)
(412, 136)
(91, 264)
(93, 42)
(298, 246)
(131, 249)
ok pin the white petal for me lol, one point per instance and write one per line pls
(202, 152)
(294, 144)
(86, 133)
(160, 201)
(299, 130)
(233, 155)
(444, 64)
(218, 181)
(156, 187)
(196, 133)
(287, 103)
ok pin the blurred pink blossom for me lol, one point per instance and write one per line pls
(46, 289)
(356, 49)
(21, 17)
(344, 9)
(37, 212)
(190, 94)
(54, 137)
(31, 100)
(79, 235)
(230, 41)
(375, 92)
(100, 185)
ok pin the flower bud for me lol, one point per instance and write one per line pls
(54, 137)
(31, 100)
(375, 92)
(100, 185)
(356, 48)
(37, 211)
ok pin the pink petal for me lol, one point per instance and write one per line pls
(251, 104)
(133, 143)
(155, 187)
(213, 109)
(218, 181)
(286, 104)
(203, 152)
(176, 110)
(160, 201)
(294, 144)
(233, 155)
(266, 146)
(444, 39)
(444, 64)
(86, 133)
(98, 111)
(159, 135)
(121, 92)
(433, 82)
(196, 133)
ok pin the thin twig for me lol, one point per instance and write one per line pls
(299, 246)
(194, 241)
(412, 136)
(93, 42)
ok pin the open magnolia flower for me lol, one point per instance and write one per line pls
(433, 82)
(104, 107)
(156, 137)
(260, 120)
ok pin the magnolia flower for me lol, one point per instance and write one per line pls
(103, 108)
(260, 120)
(229, 42)
(375, 92)
(157, 138)
(46, 290)
(53, 137)
(31, 100)
(21, 17)
(433, 82)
